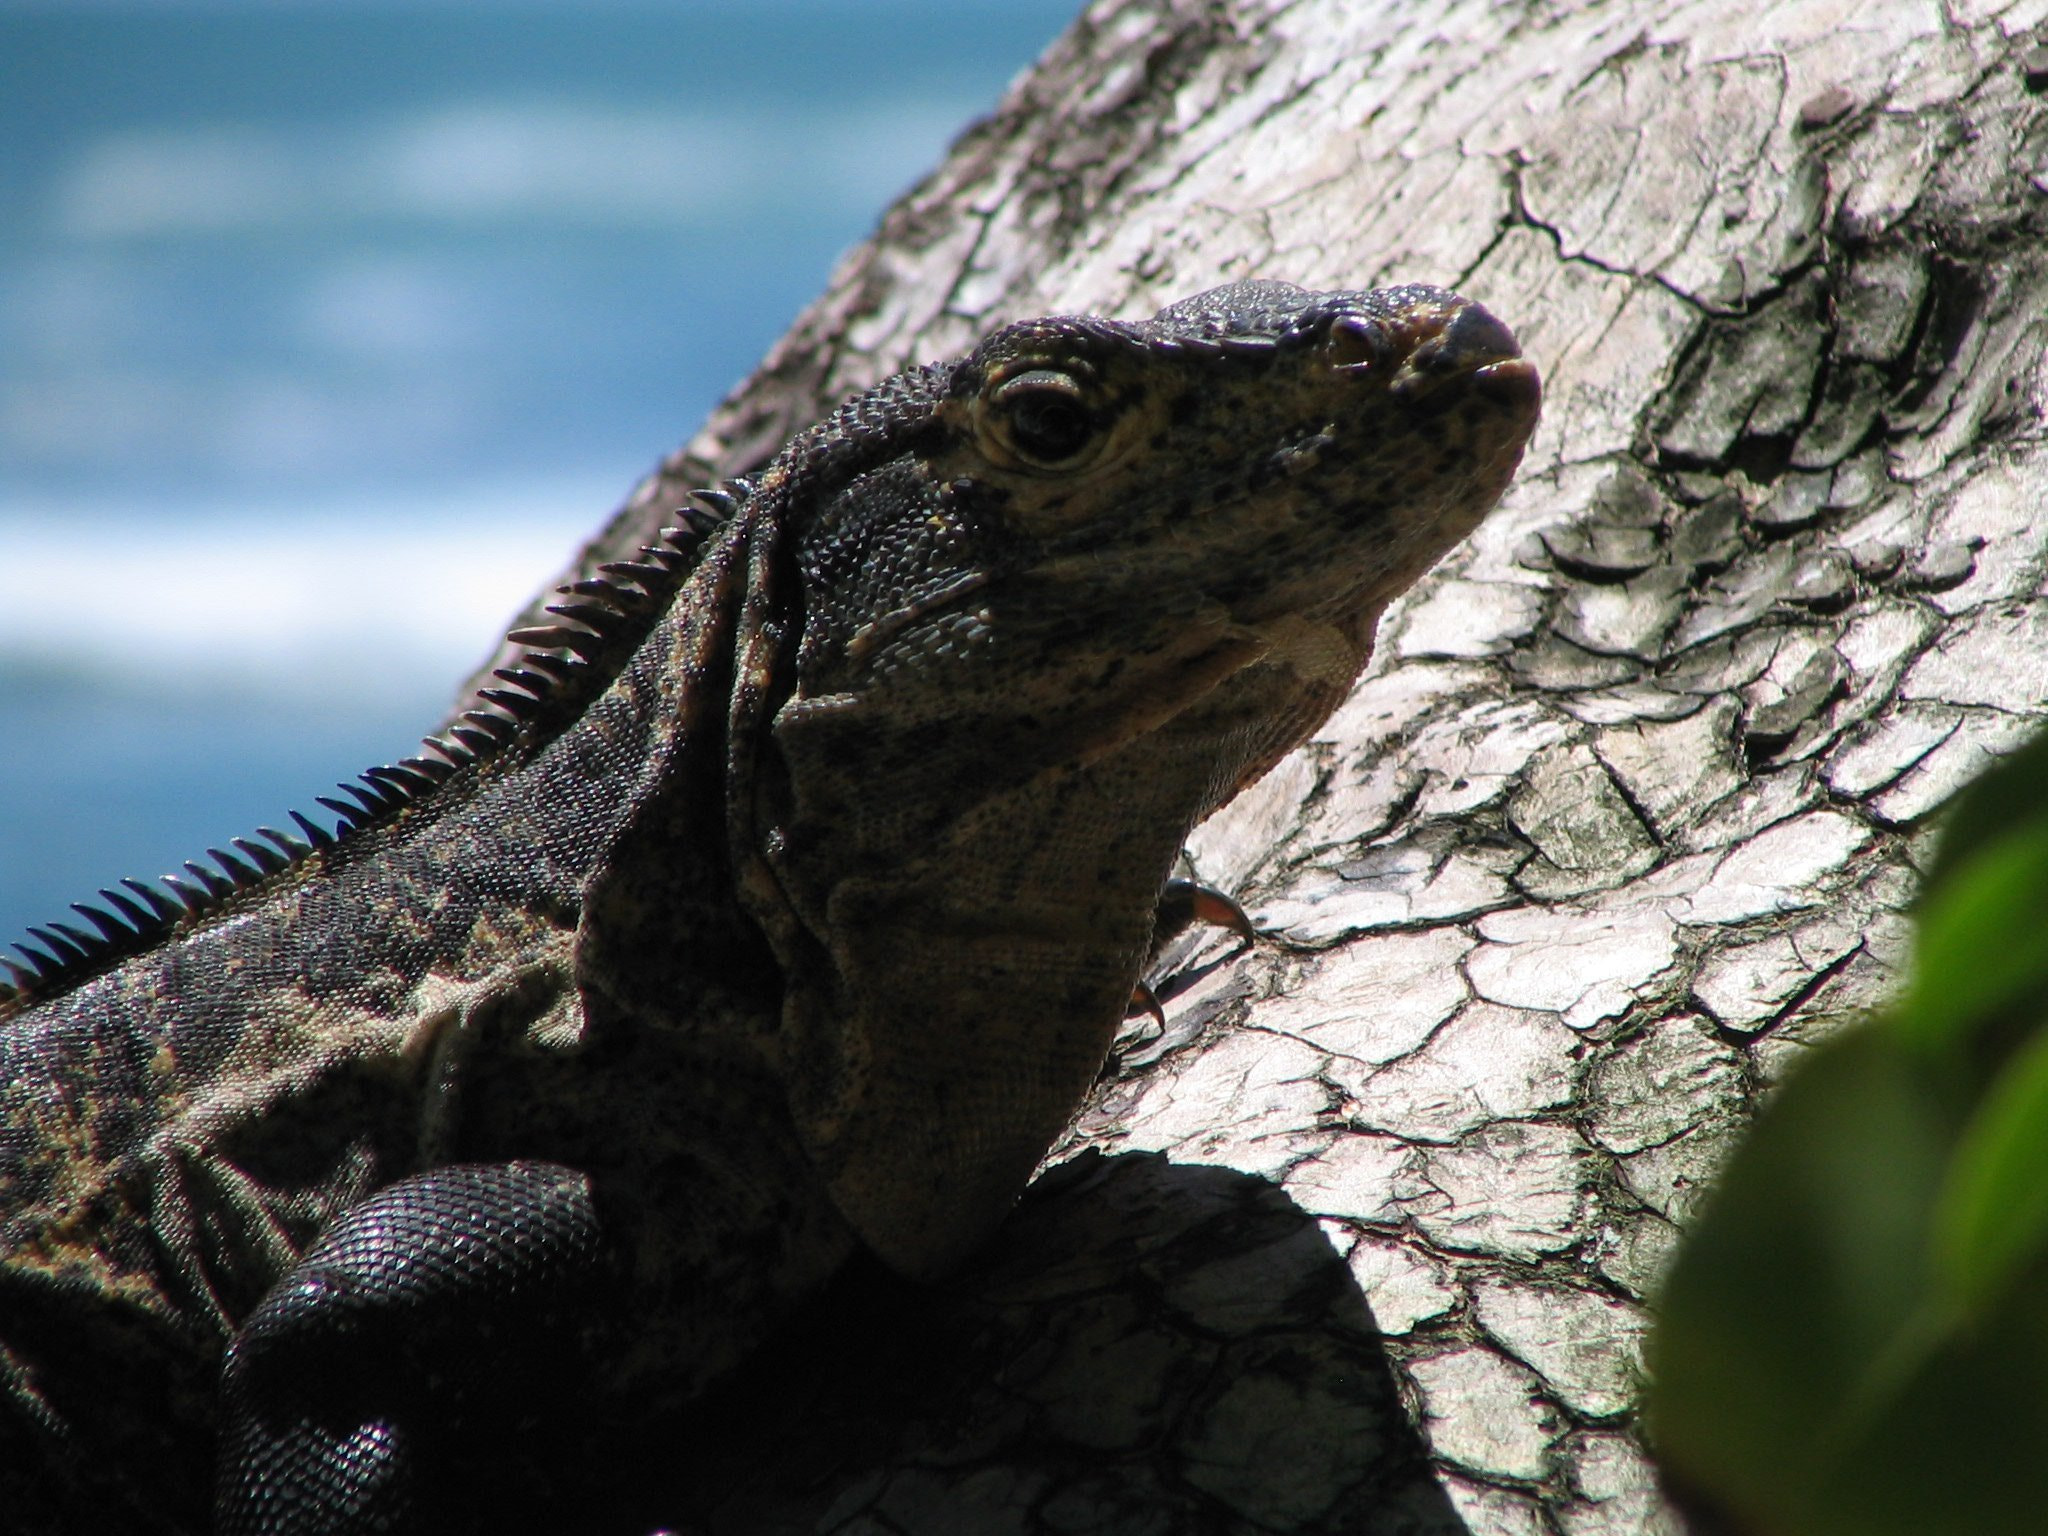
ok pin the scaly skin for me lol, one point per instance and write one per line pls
(799, 917)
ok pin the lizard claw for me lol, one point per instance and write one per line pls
(1145, 1000)
(1183, 903)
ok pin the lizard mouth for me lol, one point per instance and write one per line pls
(1477, 347)
(1459, 345)
(1459, 342)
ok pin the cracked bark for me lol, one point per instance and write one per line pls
(1624, 815)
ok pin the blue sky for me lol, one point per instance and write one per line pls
(244, 244)
(326, 330)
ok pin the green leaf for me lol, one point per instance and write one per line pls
(1796, 1307)
(1992, 1222)
(1855, 1337)
(1982, 943)
(2003, 800)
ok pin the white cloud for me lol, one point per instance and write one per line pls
(365, 593)
(82, 304)
(873, 154)
(484, 161)
(182, 181)
(245, 421)
(388, 307)
(552, 162)
(83, 415)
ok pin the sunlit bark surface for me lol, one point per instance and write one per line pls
(1625, 814)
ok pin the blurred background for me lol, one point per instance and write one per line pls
(328, 328)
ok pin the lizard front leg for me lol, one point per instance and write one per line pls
(438, 1327)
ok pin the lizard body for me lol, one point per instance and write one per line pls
(785, 905)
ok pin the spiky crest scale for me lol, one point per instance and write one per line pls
(560, 668)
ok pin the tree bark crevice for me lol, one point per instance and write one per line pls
(1631, 804)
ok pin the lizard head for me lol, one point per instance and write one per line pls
(1094, 511)
(1057, 602)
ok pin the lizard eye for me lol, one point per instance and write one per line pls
(1045, 418)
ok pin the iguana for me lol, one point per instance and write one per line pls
(783, 903)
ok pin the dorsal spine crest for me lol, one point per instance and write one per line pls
(560, 668)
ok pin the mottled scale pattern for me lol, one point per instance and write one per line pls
(781, 904)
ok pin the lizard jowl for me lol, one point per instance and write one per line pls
(781, 905)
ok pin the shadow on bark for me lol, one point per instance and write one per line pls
(1148, 1347)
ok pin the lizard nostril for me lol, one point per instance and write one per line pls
(1473, 338)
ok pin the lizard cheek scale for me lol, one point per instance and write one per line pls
(779, 902)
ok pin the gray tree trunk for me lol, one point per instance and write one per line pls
(1625, 813)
